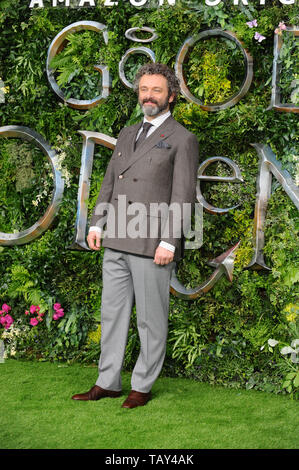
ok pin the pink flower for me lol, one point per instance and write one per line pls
(33, 321)
(1, 312)
(26, 312)
(6, 321)
(278, 31)
(32, 309)
(259, 37)
(9, 320)
(6, 308)
(282, 25)
(56, 306)
(60, 312)
(55, 316)
(252, 23)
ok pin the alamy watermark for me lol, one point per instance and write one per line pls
(127, 219)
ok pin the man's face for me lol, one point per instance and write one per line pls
(153, 95)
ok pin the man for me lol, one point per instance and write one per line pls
(153, 162)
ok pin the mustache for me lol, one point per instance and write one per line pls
(150, 100)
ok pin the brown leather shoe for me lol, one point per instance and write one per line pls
(136, 399)
(95, 393)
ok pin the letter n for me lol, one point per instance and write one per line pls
(268, 165)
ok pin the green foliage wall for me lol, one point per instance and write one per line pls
(221, 337)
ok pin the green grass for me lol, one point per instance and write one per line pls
(36, 412)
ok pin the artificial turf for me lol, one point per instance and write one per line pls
(36, 412)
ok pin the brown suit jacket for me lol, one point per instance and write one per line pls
(162, 170)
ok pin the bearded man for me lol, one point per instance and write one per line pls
(154, 162)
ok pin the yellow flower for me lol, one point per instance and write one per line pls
(291, 311)
(94, 336)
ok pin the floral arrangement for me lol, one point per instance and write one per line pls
(6, 320)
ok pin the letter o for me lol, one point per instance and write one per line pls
(130, 34)
(246, 81)
(57, 45)
(134, 50)
(20, 238)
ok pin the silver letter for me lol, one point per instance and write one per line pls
(268, 165)
(89, 140)
(44, 222)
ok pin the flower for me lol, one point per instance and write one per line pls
(282, 25)
(280, 28)
(272, 342)
(259, 37)
(6, 308)
(252, 23)
(6, 321)
(33, 321)
(59, 312)
(293, 350)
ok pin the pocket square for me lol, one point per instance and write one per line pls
(163, 145)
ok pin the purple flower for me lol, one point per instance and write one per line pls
(252, 23)
(259, 37)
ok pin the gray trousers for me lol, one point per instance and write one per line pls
(128, 278)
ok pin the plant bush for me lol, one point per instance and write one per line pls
(217, 337)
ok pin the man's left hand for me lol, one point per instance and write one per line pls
(163, 256)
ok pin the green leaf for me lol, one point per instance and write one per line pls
(296, 380)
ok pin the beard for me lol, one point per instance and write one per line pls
(155, 108)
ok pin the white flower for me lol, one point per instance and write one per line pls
(272, 342)
(293, 350)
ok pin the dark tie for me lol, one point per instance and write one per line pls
(143, 134)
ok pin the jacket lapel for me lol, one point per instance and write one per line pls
(161, 133)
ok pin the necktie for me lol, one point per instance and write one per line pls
(143, 134)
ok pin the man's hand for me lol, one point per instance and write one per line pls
(163, 256)
(94, 240)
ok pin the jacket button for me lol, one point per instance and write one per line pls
(121, 177)
(119, 154)
(129, 202)
(135, 179)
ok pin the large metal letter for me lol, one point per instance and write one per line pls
(268, 165)
(235, 178)
(248, 69)
(224, 265)
(57, 45)
(134, 50)
(275, 96)
(43, 223)
(89, 140)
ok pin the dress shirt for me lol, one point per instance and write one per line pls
(156, 122)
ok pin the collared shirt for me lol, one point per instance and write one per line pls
(156, 122)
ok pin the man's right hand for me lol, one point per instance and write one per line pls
(94, 240)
